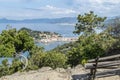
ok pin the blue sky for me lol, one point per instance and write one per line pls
(28, 9)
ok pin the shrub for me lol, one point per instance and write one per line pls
(52, 59)
(55, 59)
(89, 47)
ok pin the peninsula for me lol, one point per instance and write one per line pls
(47, 37)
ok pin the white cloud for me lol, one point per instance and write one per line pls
(51, 7)
(105, 1)
(54, 10)
(67, 11)
(101, 7)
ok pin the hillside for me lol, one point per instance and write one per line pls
(37, 35)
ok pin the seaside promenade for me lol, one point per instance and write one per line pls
(64, 39)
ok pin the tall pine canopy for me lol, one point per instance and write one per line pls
(88, 22)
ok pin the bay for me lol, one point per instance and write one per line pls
(66, 30)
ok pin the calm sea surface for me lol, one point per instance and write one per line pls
(66, 30)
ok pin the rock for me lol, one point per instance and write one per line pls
(79, 69)
(47, 73)
(79, 66)
(61, 70)
(43, 69)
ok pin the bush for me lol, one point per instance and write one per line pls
(89, 47)
(55, 59)
(7, 69)
(52, 59)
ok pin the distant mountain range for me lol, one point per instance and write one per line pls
(41, 20)
(50, 20)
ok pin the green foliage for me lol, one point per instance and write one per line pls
(5, 62)
(88, 22)
(7, 69)
(16, 66)
(31, 66)
(38, 57)
(35, 50)
(38, 34)
(55, 59)
(12, 41)
(52, 59)
(24, 42)
(65, 47)
(90, 47)
(114, 30)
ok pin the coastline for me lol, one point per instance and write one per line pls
(55, 39)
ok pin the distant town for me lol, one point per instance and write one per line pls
(48, 37)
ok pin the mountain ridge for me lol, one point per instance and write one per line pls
(41, 20)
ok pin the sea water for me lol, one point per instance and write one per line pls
(66, 30)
